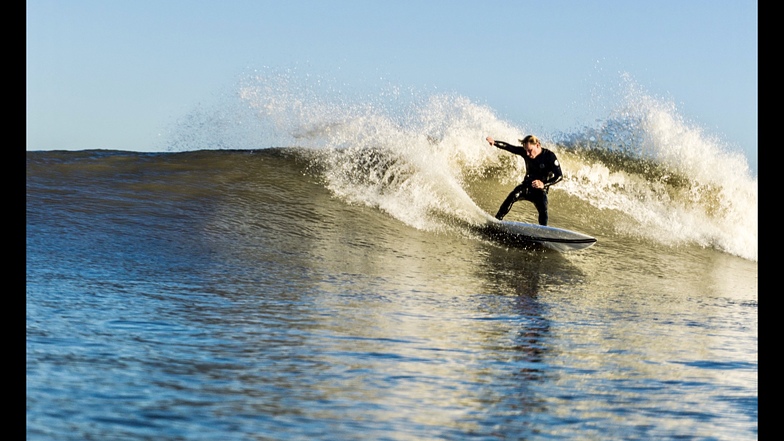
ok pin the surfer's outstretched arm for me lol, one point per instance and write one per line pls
(506, 146)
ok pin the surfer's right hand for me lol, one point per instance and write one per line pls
(490, 140)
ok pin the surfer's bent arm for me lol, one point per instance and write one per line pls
(555, 176)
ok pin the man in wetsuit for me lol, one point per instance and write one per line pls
(542, 170)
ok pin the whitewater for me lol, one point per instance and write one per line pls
(659, 176)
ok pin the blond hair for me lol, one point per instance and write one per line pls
(530, 138)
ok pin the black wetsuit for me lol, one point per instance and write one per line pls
(545, 167)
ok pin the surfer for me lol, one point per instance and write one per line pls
(542, 170)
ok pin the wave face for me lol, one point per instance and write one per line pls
(645, 172)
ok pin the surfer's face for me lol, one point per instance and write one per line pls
(532, 149)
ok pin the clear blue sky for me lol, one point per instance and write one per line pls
(110, 73)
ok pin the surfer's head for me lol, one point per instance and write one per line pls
(531, 145)
(530, 139)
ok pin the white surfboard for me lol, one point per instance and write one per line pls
(532, 235)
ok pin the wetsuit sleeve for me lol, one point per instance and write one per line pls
(510, 148)
(556, 175)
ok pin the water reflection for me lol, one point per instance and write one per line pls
(514, 282)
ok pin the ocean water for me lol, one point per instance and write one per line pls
(333, 287)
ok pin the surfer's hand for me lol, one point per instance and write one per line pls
(537, 184)
(490, 140)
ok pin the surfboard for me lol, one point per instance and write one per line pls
(526, 235)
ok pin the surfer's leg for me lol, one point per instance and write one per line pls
(540, 202)
(506, 206)
(513, 197)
